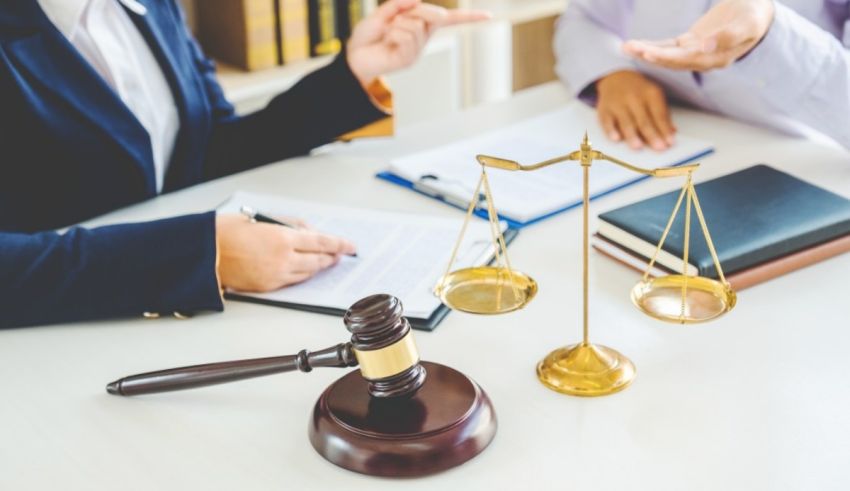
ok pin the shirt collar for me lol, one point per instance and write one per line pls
(66, 14)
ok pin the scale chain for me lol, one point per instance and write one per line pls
(707, 236)
(496, 231)
(472, 202)
(666, 232)
(687, 245)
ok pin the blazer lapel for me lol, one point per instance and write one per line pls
(48, 56)
(169, 48)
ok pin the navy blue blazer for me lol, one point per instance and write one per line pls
(70, 150)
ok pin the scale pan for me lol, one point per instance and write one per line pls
(486, 290)
(705, 298)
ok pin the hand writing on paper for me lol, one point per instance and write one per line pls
(726, 33)
(260, 257)
(633, 109)
(392, 37)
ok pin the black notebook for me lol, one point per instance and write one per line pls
(754, 215)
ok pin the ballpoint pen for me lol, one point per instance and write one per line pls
(254, 215)
(259, 217)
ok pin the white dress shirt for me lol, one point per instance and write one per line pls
(796, 80)
(104, 34)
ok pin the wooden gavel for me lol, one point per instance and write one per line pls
(381, 344)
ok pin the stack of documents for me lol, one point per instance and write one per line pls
(401, 254)
(451, 172)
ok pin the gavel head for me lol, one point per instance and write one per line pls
(383, 344)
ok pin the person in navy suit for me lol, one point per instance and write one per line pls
(105, 103)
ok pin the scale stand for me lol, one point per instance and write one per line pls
(587, 369)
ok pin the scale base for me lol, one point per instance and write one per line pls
(586, 370)
(447, 422)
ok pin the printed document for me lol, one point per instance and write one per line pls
(401, 254)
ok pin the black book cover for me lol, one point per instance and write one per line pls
(348, 14)
(753, 215)
(324, 39)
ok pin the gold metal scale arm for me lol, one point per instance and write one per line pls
(586, 156)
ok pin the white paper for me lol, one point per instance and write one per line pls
(524, 196)
(397, 253)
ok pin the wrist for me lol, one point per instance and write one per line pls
(357, 68)
(765, 12)
(612, 78)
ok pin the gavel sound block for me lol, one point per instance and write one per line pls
(395, 417)
(398, 417)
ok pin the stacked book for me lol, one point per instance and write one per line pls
(764, 223)
(258, 34)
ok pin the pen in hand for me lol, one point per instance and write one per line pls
(261, 218)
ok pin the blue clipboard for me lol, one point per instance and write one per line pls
(481, 211)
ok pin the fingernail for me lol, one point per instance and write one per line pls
(670, 140)
(635, 143)
(614, 136)
(658, 145)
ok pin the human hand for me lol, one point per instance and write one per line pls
(261, 257)
(394, 34)
(727, 32)
(633, 108)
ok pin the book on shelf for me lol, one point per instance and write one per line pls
(293, 30)
(763, 223)
(240, 32)
(349, 13)
(324, 39)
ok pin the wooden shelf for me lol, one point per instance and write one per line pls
(240, 85)
(519, 11)
(532, 26)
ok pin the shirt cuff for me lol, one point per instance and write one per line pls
(382, 98)
(587, 52)
(218, 261)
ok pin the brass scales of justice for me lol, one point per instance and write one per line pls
(587, 369)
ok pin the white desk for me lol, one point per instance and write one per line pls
(759, 400)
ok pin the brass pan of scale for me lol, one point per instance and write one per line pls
(486, 290)
(683, 299)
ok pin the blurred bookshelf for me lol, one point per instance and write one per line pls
(462, 66)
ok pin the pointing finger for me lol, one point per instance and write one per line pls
(463, 16)
(437, 16)
(388, 10)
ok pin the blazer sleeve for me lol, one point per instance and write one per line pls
(321, 107)
(110, 271)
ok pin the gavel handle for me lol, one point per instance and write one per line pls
(231, 371)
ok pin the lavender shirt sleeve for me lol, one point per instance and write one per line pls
(587, 43)
(803, 72)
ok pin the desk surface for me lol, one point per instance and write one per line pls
(756, 400)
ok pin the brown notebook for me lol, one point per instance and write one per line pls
(744, 278)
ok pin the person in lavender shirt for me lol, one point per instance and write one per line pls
(779, 65)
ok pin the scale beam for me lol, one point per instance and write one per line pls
(588, 156)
